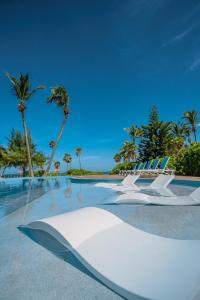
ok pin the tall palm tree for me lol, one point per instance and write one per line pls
(60, 97)
(178, 136)
(51, 144)
(67, 158)
(134, 132)
(117, 157)
(188, 134)
(78, 154)
(178, 130)
(57, 165)
(192, 119)
(128, 151)
(22, 90)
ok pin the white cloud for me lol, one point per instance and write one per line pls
(178, 37)
(195, 65)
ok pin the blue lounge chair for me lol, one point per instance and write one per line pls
(154, 166)
(148, 165)
(163, 167)
(140, 167)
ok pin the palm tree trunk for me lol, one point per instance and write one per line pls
(23, 171)
(195, 134)
(55, 146)
(27, 146)
(79, 158)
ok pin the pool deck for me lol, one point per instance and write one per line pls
(114, 177)
(42, 269)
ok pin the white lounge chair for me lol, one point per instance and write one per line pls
(141, 198)
(128, 260)
(161, 182)
(128, 181)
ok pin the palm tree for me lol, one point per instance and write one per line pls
(23, 92)
(192, 119)
(188, 134)
(57, 165)
(134, 132)
(178, 130)
(128, 151)
(78, 154)
(60, 97)
(5, 160)
(67, 158)
(117, 157)
(51, 144)
(178, 136)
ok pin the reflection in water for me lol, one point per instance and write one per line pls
(56, 184)
(68, 190)
(16, 193)
(79, 196)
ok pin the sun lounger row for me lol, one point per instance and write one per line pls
(141, 198)
(156, 166)
(160, 183)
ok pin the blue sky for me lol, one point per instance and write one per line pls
(116, 59)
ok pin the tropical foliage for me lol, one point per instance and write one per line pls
(128, 151)
(51, 144)
(68, 159)
(78, 172)
(60, 97)
(78, 154)
(56, 166)
(23, 92)
(117, 157)
(121, 167)
(15, 155)
(188, 160)
(192, 119)
(158, 139)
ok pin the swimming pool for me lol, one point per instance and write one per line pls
(30, 271)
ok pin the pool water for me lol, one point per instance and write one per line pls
(30, 269)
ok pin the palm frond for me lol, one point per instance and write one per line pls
(59, 96)
(12, 79)
(39, 88)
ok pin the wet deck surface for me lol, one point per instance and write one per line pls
(30, 271)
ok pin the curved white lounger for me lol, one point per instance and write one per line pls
(128, 181)
(140, 198)
(126, 259)
(159, 183)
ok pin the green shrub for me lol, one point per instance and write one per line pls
(188, 161)
(77, 172)
(55, 174)
(122, 166)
